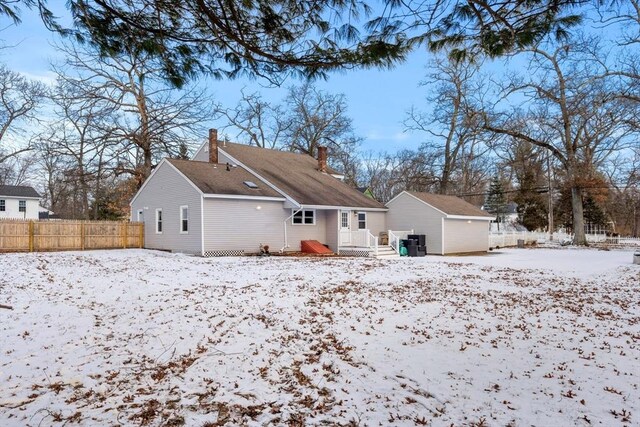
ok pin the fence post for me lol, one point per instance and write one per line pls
(31, 236)
(125, 226)
(82, 235)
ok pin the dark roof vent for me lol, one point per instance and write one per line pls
(250, 184)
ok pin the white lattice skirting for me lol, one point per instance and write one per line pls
(354, 252)
(239, 252)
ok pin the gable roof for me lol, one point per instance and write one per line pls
(213, 178)
(450, 205)
(297, 175)
(18, 191)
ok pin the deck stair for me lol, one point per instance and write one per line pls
(314, 247)
(386, 252)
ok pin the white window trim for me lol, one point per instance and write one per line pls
(302, 211)
(161, 220)
(4, 205)
(365, 220)
(182, 219)
(20, 207)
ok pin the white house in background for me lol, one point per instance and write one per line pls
(19, 202)
(451, 225)
(233, 198)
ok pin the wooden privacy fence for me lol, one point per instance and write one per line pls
(29, 236)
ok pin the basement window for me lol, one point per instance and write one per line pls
(304, 217)
(250, 184)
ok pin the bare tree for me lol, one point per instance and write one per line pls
(315, 118)
(81, 136)
(55, 189)
(17, 170)
(153, 120)
(306, 119)
(257, 121)
(572, 111)
(19, 102)
(623, 173)
(450, 125)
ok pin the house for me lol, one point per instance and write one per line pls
(366, 191)
(19, 202)
(232, 198)
(450, 224)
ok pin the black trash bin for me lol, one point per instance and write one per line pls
(412, 250)
(420, 238)
(408, 242)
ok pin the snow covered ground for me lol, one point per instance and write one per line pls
(517, 337)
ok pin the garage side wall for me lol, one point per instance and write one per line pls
(407, 213)
(465, 236)
(168, 190)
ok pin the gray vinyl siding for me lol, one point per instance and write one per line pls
(408, 213)
(332, 229)
(376, 222)
(168, 190)
(464, 236)
(202, 155)
(300, 232)
(239, 225)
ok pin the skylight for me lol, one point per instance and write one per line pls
(250, 184)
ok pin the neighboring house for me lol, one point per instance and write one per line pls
(511, 212)
(233, 198)
(19, 202)
(366, 191)
(450, 224)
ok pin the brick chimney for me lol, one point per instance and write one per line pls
(213, 145)
(322, 159)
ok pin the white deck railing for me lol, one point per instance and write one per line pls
(394, 242)
(507, 239)
(359, 239)
(396, 236)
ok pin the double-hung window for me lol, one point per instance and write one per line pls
(362, 220)
(304, 217)
(22, 206)
(3, 205)
(184, 219)
(158, 221)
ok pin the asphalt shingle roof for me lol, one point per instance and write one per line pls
(450, 205)
(298, 176)
(18, 191)
(213, 178)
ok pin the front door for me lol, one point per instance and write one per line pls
(345, 228)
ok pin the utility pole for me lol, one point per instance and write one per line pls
(550, 196)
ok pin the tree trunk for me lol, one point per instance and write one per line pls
(579, 237)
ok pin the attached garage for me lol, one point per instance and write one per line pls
(452, 225)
